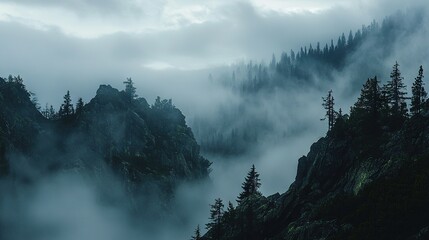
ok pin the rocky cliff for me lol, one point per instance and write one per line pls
(351, 185)
(112, 134)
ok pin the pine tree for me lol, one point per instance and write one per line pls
(419, 94)
(66, 108)
(369, 110)
(216, 214)
(197, 234)
(328, 104)
(370, 101)
(79, 106)
(130, 90)
(250, 186)
(396, 93)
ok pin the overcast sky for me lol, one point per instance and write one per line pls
(169, 48)
(76, 44)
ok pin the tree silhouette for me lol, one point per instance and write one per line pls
(66, 108)
(79, 106)
(250, 185)
(328, 105)
(396, 93)
(130, 90)
(419, 94)
(197, 234)
(367, 113)
(216, 214)
(370, 100)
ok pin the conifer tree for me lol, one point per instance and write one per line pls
(419, 94)
(216, 214)
(250, 185)
(79, 106)
(130, 90)
(197, 234)
(328, 104)
(66, 108)
(370, 101)
(369, 109)
(396, 93)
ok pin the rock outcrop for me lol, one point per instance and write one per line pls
(142, 145)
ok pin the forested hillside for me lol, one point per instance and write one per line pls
(116, 135)
(345, 60)
(366, 179)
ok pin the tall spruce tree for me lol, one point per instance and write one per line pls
(369, 110)
(328, 105)
(66, 108)
(215, 219)
(250, 185)
(370, 100)
(396, 93)
(419, 94)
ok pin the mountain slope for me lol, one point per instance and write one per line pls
(367, 179)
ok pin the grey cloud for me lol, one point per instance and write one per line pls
(88, 7)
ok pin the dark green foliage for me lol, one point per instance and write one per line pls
(250, 185)
(368, 112)
(396, 93)
(419, 94)
(66, 109)
(341, 126)
(197, 234)
(215, 219)
(370, 100)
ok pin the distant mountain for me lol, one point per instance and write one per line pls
(112, 134)
(368, 178)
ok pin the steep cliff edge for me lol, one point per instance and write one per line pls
(351, 185)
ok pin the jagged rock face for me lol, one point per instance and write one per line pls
(137, 142)
(142, 139)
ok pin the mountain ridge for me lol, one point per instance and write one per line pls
(138, 143)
